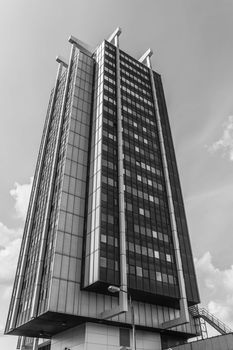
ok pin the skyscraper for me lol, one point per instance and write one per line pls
(106, 213)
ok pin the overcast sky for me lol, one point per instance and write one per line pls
(193, 51)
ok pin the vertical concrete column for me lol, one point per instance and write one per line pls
(50, 193)
(22, 341)
(33, 199)
(123, 296)
(35, 344)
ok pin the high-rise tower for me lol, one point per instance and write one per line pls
(106, 209)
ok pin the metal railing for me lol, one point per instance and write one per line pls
(201, 312)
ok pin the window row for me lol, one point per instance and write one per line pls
(135, 79)
(144, 180)
(139, 138)
(109, 148)
(133, 103)
(146, 153)
(143, 165)
(109, 181)
(109, 164)
(142, 250)
(109, 99)
(108, 88)
(108, 218)
(137, 87)
(109, 122)
(127, 109)
(144, 212)
(109, 263)
(138, 271)
(149, 168)
(110, 54)
(134, 62)
(110, 110)
(110, 47)
(156, 275)
(149, 182)
(134, 72)
(138, 125)
(134, 94)
(110, 62)
(109, 135)
(141, 194)
(109, 240)
(151, 233)
(131, 122)
(110, 71)
(110, 80)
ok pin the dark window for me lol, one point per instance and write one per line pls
(124, 337)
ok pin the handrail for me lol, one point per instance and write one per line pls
(201, 312)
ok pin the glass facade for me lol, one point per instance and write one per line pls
(151, 263)
(28, 284)
(30, 209)
(69, 117)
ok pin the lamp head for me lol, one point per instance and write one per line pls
(114, 289)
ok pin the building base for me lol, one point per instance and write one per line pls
(93, 336)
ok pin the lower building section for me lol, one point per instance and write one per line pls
(221, 342)
(93, 336)
(147, 316)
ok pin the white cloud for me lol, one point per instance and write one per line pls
(21, 194)
(8, 261)
(225, 143)
(10, 238)
(10, 243)
(8, 235)
(216, 287)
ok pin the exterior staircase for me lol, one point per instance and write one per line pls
(201, 312)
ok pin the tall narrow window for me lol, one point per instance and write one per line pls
(124, 337)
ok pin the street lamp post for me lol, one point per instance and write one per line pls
(115, 289)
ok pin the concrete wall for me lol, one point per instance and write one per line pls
(92, 336)
(222, 342)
